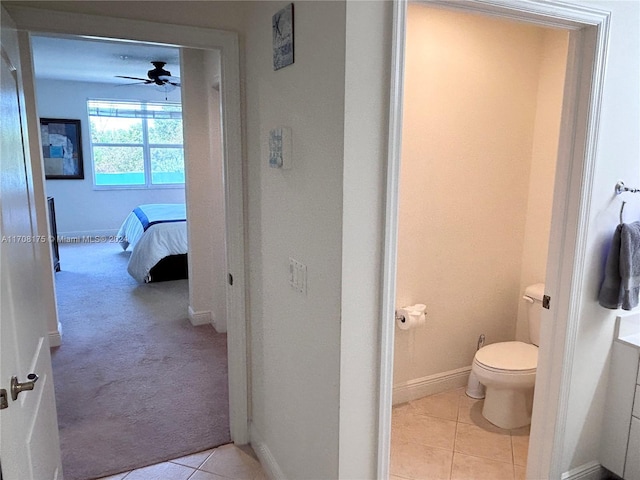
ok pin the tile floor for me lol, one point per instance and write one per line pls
(445, 437)
(226, 462)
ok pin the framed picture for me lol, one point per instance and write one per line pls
(61, 148)
(282, 27)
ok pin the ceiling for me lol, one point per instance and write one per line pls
(99, 60)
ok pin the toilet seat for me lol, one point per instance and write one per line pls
(508, 358)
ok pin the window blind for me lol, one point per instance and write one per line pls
(166, 111)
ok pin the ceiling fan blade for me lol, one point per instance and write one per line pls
(145, 80)
(129, 84)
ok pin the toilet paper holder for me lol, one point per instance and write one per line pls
(418, 308)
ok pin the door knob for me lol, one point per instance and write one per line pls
(17, 387)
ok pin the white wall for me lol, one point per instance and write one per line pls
(217, 297)
(295, 338)
(473, 100)
(81, 210)
(617, 154)
(223, 15)
(365, 143)
(205, 188)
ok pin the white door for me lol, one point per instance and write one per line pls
(29, 443)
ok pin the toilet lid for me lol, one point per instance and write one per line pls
(509, 356)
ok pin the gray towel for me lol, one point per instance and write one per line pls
(611, 288)
(621, 283)
(630, 264)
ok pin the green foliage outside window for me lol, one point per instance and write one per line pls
(165, 131)
(125, 147)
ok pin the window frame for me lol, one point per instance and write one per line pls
(145, 145)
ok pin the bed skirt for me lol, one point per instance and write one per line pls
(173, 267)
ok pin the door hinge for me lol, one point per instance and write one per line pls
(4, 403)
(230, 279)
(546, 300)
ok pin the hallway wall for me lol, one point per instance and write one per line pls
(296, 213)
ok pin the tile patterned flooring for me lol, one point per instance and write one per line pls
(226, 462)
(445, 437)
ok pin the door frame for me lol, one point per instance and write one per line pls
(588, 38)
(38, 21)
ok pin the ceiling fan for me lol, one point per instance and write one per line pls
(157, 76)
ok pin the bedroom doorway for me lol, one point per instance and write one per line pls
(229, 111)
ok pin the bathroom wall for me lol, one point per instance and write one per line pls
(475, 116)
(543, 166)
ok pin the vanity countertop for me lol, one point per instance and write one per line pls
(628, 329)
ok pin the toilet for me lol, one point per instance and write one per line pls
(508, 370)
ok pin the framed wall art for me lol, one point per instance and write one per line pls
(282, 29)
(61, 148)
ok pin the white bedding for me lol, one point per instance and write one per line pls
(159, 241)
(130, 231)
(147, 215)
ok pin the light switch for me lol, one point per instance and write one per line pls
(280, 149)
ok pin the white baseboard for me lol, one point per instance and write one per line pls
(199, 318)
(430, 385)
(267, 460)
(588, 471)
(219, 324)
(55, 339)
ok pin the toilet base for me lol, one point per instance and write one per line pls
(508, 408)
(474, 388)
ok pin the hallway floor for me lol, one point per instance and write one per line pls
(445, 437)
(227, 462)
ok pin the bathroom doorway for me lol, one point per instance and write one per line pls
(481, 123)
(459, 209)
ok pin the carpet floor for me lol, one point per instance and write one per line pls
(135, 382)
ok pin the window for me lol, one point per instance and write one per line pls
(136, 144)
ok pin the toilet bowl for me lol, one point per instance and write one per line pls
(508, 370)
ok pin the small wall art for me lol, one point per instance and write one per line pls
(61, 148)
(282, 27)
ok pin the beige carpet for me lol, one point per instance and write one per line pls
(135, 382)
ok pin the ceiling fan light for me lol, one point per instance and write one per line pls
(165, 88)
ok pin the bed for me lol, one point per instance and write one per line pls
(157, 237)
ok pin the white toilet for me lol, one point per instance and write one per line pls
(508, 370)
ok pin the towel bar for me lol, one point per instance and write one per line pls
(620, 188)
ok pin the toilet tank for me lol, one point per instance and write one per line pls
(533, 296)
